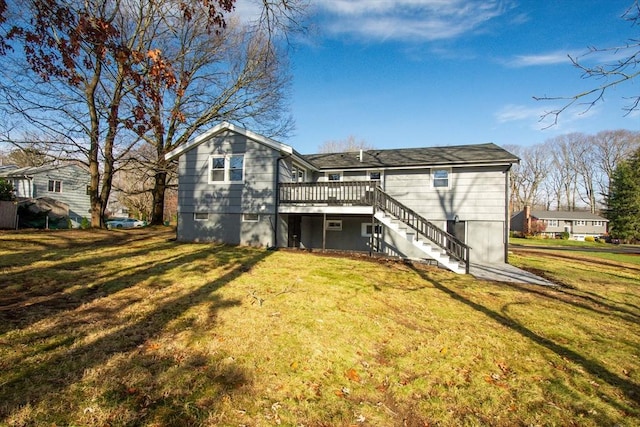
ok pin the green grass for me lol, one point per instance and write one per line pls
(132, 328)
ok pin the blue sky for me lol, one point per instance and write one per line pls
(410, 73)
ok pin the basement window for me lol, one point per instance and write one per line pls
(250, 217)
(367, 228)
(333, 225)
(201, 216)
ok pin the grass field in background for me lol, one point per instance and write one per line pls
(133, 328)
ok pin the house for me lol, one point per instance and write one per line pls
(65, 184)
(448, 204)
(578, 224)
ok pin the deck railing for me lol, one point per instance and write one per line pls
(358, 193)
(367, 193)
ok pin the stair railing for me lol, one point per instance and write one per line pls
(446, 241)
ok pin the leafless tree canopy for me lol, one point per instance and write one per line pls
(569, 172)
(619, 72)
(351, 143)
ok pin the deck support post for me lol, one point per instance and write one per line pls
(324, 232)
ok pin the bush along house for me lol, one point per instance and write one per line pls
(444, 204)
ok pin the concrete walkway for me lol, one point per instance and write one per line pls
(507, 273)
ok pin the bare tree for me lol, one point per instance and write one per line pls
(612, 147)
(528, 177)
(96, 73)
(616, 73)
(345, 145)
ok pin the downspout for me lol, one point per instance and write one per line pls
(277, 200)
(507, 216)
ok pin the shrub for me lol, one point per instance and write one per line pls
(565, 235)
(589, 239)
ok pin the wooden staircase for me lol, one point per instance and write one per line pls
(435, 243)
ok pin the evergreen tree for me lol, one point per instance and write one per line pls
(623, 201)
(6, 190)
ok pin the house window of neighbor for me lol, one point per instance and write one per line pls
(55, 186)
(334, 177)
(374, 176)
(367, 228)
(552, 222)
(440, 178)
(597, 223)
(250, 217)
(580, 222)
(227, 168)
(333, 225)
(201, 216)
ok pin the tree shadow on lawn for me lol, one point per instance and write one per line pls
(32, 382)
(43, 291)
(630, 389)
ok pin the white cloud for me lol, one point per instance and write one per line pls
(549, 58)
(511, 113)
(408, 19)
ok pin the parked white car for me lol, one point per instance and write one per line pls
(125, 223)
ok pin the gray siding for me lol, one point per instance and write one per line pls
(226, 202)
(475, 194)
(73, 190)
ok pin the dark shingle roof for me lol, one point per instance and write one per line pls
(567, 215)
(402, 157)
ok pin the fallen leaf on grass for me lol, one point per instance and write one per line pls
(352, 374)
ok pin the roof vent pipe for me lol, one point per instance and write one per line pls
(360, 156)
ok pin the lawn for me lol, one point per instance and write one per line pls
(132, 328)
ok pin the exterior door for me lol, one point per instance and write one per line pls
(458, 230)
(295, 230)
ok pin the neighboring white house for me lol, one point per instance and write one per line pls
(64, 183)
(444, 203)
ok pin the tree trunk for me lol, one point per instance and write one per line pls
(159, 188)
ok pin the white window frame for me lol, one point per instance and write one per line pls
(54, 182)
(329, 174)
(366, 233)
(598, 223)
(227, 168)
(201, 216)
(333, 225)
(434, 179)
(298, 173)
(580, 223)
(551, 222)
(250, 217)
(369, 173)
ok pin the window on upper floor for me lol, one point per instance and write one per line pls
(440, 178)
(334, 176)
(298, 174)
(598, 223)
(551, 222)
(226, 168)
(55, 186)
(579, 222)
(375, 176)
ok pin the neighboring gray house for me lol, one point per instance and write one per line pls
(64, 183)
(578, 224)
(446, 203)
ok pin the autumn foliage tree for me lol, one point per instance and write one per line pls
(109, 75)
(87, 69)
